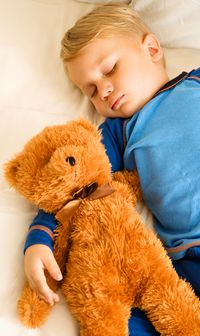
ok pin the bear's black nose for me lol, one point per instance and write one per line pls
(71, 160)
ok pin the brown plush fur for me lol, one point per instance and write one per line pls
(110, 261)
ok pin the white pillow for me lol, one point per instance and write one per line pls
(181, 59)
(175, 23)
(104, 1)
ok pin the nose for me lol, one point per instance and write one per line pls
(105, 88)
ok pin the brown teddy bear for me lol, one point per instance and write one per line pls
(109, 260)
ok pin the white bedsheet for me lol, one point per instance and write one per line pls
(34, 92)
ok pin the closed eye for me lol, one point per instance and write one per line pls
(110, 72)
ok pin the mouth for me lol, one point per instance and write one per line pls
(117, 102)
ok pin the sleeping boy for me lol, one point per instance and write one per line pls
(152, 125)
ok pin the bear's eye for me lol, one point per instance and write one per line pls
(71, 160)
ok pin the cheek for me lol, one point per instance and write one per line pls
(125, 81)
(100, 107)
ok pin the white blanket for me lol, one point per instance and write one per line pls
(35, 92)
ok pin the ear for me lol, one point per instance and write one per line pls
(21, 171)
(92, 129)
(87, 125)
(11, 169)
(152, 47)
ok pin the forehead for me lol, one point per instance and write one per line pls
(96, 52)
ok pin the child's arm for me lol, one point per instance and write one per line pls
(113, 138)
(39, 257)
(41, 230)
(39, 243)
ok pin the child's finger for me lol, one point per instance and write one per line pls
(53, 268)
(39, 284)
(51, 297)
(51, 300)
(55, 297)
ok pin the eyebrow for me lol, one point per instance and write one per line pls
(101, 64)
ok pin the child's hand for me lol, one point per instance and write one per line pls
(38, 258)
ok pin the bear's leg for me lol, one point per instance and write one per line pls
(170, 302)
(98, 318)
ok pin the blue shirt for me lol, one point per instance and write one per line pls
(161, 141)
(163, 144)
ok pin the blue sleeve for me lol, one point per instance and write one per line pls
(37, 236)
(113, 140)
(195, 72)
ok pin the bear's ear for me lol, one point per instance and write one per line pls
(10, 170)
(89, 127)
(21, 172)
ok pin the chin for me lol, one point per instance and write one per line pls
(126, 113)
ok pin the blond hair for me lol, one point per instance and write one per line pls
(103, 21)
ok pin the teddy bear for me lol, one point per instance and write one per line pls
(110, 261)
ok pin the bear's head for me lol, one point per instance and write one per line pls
(58, 163)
